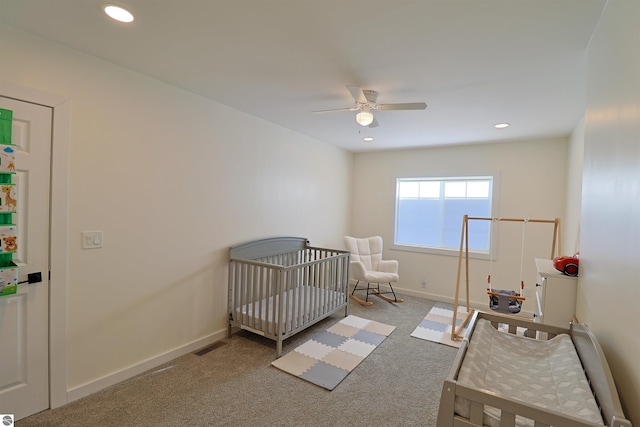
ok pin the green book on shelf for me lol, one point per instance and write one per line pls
(6, 120)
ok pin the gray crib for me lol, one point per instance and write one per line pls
(280, 286)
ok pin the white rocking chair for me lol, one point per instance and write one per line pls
(368, 266)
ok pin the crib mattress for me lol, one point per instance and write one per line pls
(547, 374)
(307, 301)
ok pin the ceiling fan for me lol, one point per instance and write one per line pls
(366, 103)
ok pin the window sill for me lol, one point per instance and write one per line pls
(438, 251)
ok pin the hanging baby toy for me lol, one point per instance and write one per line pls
(501, 300)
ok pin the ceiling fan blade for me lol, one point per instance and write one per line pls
(374, 123)
(370, 95)
(358, 94)
(335, 109)
(404, 106)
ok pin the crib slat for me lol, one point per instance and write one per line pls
(279, 311)
(476, 415)
(317, 301)
(299, 301)
(257, 291)
(507, 419)
(318, 276)
(262, 294)
(313, 284)
(233, 315)
(253, 295)
(286, 302)
(243, 273)
(277, 278)
(318, 286)
(310, 303)
(268, 296)
(327, 294)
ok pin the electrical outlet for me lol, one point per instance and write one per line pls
(424, 282)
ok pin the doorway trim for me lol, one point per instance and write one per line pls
(58, 232)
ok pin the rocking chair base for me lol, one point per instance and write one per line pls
(374, 291)
(359, 301)
(379, 295)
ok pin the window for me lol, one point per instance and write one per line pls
(429, 212)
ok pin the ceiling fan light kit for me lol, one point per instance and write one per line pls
(364, 118)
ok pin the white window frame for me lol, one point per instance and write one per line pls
(441, 250)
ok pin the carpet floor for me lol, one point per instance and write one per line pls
(399, 384)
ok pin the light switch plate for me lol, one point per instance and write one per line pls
(91, 239)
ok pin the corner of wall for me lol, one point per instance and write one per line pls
(575, 161)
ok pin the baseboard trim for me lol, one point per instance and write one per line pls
(482, 306)
(429, 296)
(435, 297)
(99, 384)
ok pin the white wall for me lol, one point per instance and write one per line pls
(609, 283)
(532, 177)
(172, 179)
(571, 229)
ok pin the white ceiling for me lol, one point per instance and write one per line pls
(474, 62)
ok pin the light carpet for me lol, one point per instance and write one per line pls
(328, 357)
(436, 325)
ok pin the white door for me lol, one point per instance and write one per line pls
(24, 316)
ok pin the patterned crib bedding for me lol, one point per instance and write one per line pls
(307, 301)
(547, 374)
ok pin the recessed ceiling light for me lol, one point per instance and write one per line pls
(367, 138)
(501, 125)
(118, 13)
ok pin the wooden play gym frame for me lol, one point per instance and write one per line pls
(464, 248)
